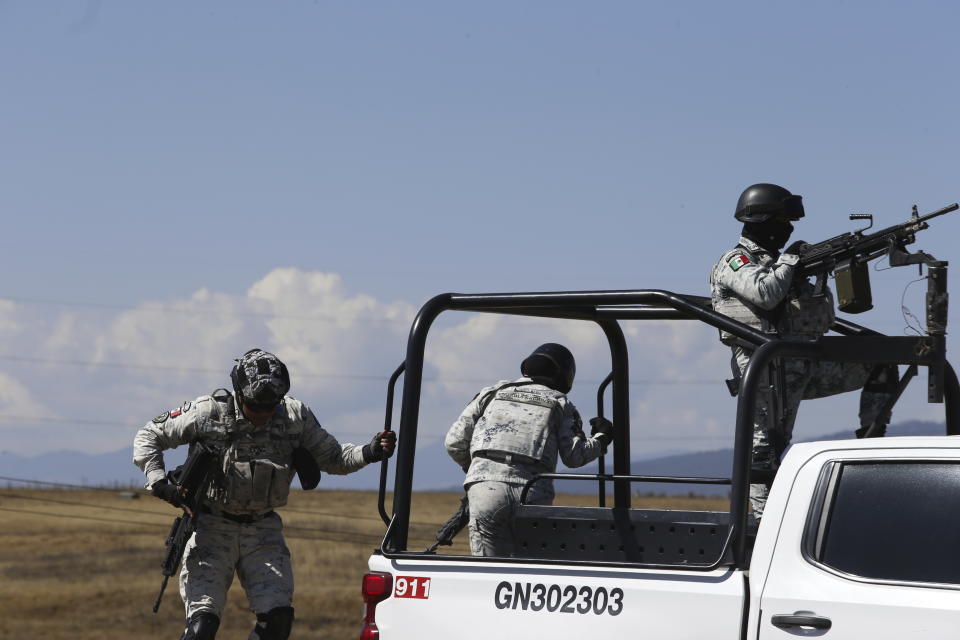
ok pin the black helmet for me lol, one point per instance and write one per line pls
(260, 379)
(761, 202)
(553, 361)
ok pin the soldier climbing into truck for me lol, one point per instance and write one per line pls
(513, 430)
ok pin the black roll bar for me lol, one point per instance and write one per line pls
(602, 307)
(387, 420)
(602, 460)
(606, 308)
(868, 349)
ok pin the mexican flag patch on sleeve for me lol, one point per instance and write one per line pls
(738, 261)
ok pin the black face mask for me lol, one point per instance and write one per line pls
(772, 234)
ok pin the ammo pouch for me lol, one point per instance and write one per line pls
(256, 485)
(806, 315)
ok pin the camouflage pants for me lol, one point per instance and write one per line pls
(776, 411)
(492, 505)
(256, 552)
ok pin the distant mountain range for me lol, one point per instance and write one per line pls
(433, 471)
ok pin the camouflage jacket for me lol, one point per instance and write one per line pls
(256, 463)
(757, 287)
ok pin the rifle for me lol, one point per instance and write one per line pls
(452, 527)
(191, 479)
(847, 256)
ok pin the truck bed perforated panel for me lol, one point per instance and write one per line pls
(594, 534)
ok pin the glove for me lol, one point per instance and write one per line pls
(796, 248)
(602, 430)
(380, 447)
(167, 492)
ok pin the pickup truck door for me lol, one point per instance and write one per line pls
(867, 547)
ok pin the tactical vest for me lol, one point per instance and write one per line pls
(518, 421)
(256, 466)
(729, 304)
(800, 316)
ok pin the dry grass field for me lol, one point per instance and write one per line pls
(84, 564)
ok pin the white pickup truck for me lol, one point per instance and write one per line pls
(859, 539)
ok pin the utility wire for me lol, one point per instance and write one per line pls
(88, 505)
(295, 532)
(341, 376)
(103, 423)
(183, 309)
(325, 514)
(152, 367)
(74, 517)
(59, 484)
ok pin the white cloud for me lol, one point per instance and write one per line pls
(112, 370)
(122, 367)
(326, 334)
(9, 325)
(17, 400)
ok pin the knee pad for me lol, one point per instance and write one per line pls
(201, 626)
(273, 625)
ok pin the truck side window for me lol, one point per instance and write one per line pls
(893, 521)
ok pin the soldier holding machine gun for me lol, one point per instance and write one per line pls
(760, 286)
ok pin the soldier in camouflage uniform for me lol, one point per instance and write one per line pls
(754, 283)
(513, 430)
(263, 437)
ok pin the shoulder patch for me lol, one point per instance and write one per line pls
(186, 406)
(160, 419)
(738, 261)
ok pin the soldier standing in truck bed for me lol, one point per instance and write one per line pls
(754, 283)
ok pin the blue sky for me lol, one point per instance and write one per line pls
(185, 180)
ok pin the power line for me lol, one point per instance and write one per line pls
(339, 375)
(154, 367)
(183, 309)
(47, 514)
(57, 484)
(129, 425)
(81, 504)
(100, 423)
(286, 509)
(290, 531)
(74, 517)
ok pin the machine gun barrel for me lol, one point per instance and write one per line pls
(939, 212)
(823, 257)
